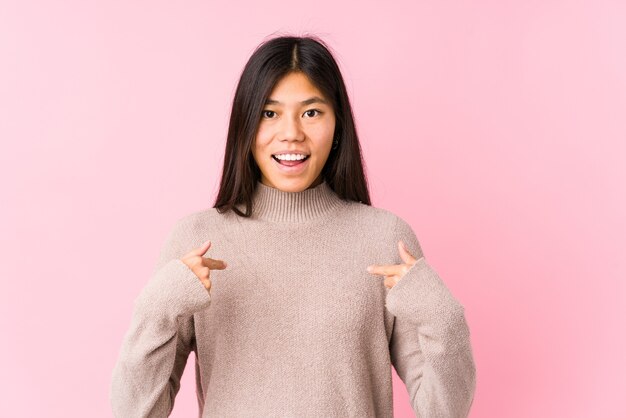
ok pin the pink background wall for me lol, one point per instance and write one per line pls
(497, 128)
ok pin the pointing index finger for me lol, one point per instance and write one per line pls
(214, 264)
(386, 270)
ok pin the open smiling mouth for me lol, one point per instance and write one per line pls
(290, 163)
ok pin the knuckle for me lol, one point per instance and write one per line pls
(194, 260)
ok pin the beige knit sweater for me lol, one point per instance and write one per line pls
(295, 326)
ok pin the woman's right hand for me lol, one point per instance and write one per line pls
(202, 266)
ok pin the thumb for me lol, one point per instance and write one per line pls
(406, 256)
(201, 250)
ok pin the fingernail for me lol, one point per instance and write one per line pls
(370, 268)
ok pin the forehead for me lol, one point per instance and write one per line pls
(295, 88)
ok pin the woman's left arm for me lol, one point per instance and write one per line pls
(430, 345)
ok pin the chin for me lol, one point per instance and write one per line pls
(293, 185)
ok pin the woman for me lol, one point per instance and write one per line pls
(284, 317)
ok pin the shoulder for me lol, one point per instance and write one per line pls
(376, 214)
(201, 219)
(388, 224)
(185, 233)
(384, 226)
(385, 219)
(192, 229)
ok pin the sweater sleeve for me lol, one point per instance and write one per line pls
(430, 342)
(155, 348)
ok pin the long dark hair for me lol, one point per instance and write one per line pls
(270, 61)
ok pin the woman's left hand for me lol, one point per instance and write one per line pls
(394, 272)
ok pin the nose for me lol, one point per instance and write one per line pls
(291, 128)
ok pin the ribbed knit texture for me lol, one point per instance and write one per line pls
(295, 326)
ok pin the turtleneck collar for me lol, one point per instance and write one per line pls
(270, 203)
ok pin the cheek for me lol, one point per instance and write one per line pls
(261, 141)
(259, 151)
(322, 132)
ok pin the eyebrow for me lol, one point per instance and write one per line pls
(313, 99)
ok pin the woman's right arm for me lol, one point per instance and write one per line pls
(154, 352)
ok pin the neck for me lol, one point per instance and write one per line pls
(272, 204)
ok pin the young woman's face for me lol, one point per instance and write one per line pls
(297, 119)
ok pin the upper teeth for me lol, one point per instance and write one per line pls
(290, 156)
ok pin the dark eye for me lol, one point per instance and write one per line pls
(267, 111)
(313, 110)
